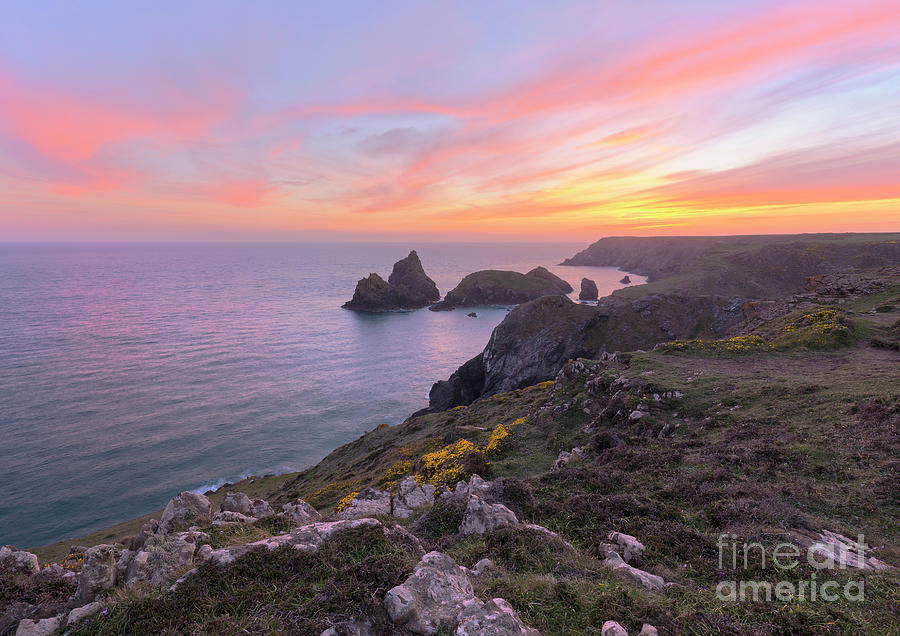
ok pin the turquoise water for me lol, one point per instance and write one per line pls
(131, 372)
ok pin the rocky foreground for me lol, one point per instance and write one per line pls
(577, 477)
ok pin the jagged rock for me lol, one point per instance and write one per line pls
(230, 517)
(18, 561)
(308, 538)
(149, 528)
(481, 517)
(300, 512)
(612, 628)
(629, 548)
(433, 597)
(185, 510)
(497, 287)
(412, 496)
(80, 613)
(472, 314)
(588, 290)
(409, 276)
(161, 557)
(632, 574)
(494, 618)
(98, 572)
(367, 503)
(648, 630)
(625, 280)
(546, 274)
(41, 627)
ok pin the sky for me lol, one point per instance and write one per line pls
(387, 120)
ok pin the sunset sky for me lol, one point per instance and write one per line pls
(450, 121)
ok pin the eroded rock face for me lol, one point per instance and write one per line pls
(185, 510)
(409, 276)
(588, 290)
(412, 496)
(300, 512)
(98, 572)
(368, 503)
(482, 517)
(18, 561)
(408, 287)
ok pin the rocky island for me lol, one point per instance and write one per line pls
(578, 476)
(499, 287)
(408, 287)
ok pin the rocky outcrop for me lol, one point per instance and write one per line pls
(300, 512)
(408, 287)
(367, 503)
(18, 561)
(588, 290)
(537, 338)
(482, 517)
(625, 280)
(410, 278)
(40, 627)
(499, 287)
(411, 496)
(439, 596)
(546, 274)
(185, 510)
(98, 572)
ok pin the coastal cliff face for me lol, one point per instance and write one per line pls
(499, 287)
(537, 338)
(750, 266)
(408, 287)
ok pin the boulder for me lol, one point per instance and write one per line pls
(300, 512)
(42, 627)
(494, 618)
(433, 597)
(98, 572)
(588, 290)
(412, 496)
(482, 517)
(647, 629)
(612, 628)
(237, 502)
(409, 276)
(632, 574)
(18, 561)
(368, 503)
(630, 549)
(480, 568)
(80, 613)
(261, 509)
(185, 510)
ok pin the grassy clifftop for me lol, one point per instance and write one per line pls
(749, 266)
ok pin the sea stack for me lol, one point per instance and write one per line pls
(588, 290)
(408, 287)
(626, 280)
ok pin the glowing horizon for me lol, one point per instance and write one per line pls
(448, 121)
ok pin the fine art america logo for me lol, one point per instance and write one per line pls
(784, 558)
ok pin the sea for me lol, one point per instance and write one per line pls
(131, 372)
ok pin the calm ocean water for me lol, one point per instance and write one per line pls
(131, 372)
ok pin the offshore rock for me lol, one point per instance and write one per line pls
(588, 290)
(408, 287)
(499, 287)
(546, 274)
